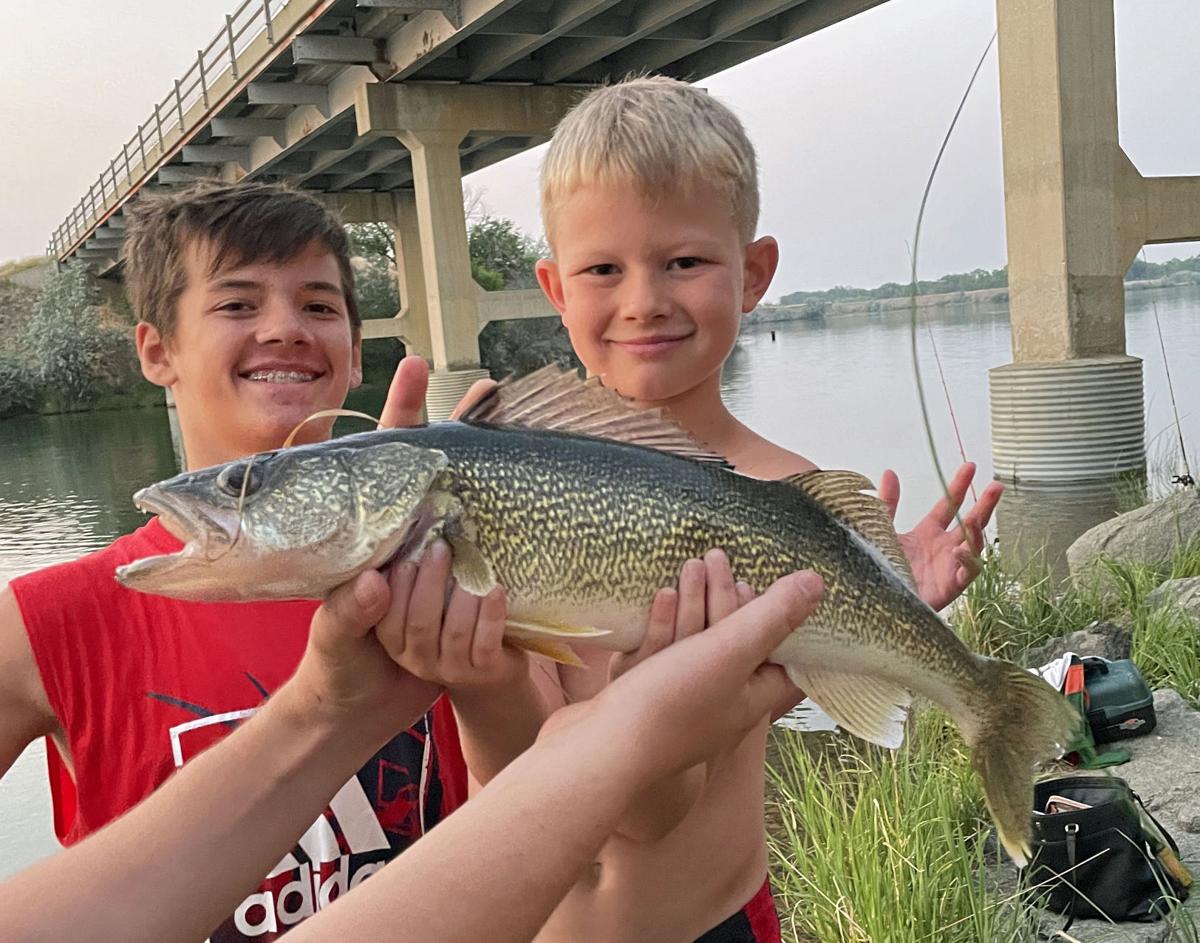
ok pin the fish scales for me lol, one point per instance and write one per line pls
(582, 532)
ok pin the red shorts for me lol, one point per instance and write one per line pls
(757, 922)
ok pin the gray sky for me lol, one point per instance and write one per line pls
(846, 122)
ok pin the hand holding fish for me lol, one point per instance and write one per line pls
(346, 677)
(944, 562)
(704, 694)
(707, 593)
(443, 634)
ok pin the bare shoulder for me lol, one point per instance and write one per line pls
(25, 712)
(762, 458)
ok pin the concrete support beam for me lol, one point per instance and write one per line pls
(287, 93)
(409, 8)
(216, 153)
(318, 50)
(563, 18)
(574, 55)
(186, 173)
(513, 305)
(487, 109)
(1169, 206)
(248, 127)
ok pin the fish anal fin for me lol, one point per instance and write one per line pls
(866, 707)
(558, 400)
(555, 651)
(841, 493)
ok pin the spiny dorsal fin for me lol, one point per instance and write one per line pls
(841, 493)
(559, 400)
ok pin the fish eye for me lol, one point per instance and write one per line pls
(232, 479)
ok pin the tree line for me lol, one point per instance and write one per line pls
(971, 281)
(67, 347)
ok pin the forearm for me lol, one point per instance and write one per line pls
(497, 868)
(660, 807)
(243, 803)
(497, 724)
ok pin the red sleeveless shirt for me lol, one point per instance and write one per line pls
(141, 684)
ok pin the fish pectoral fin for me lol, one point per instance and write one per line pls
(841, 494)
(866, 707)
(555, 651)
(470, 567)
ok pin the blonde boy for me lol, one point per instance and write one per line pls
(650, 204)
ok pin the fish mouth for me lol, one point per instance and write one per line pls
(197, 529)
(190, 523)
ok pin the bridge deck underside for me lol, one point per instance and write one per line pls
(291, 115)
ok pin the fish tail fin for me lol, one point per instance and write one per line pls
(1022, 721)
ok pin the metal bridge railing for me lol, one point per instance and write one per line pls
(168, 124)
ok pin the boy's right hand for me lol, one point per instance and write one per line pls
(441, 633)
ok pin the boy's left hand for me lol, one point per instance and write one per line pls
(944, 562)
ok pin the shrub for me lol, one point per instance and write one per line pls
(77, 355)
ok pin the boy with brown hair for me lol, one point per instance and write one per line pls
(650, 203)
(245, 300)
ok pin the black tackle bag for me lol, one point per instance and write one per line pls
(1110, 859)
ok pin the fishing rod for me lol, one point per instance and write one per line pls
(916, 360)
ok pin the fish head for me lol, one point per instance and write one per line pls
(291, 524)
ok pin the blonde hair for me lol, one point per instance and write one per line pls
(658, 134)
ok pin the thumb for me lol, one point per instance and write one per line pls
(479, 389)
(889, 491)
(350, 611)
(406, 395)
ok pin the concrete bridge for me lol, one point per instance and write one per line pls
(383, 105)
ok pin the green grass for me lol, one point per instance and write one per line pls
(8, 269)
(869, 845)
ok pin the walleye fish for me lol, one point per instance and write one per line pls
(583, 507)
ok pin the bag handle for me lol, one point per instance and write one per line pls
(1158, 825)
(1072, 831)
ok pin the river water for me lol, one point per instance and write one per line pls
(841, 393)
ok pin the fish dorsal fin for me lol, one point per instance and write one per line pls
(841, 493)
(560, 400)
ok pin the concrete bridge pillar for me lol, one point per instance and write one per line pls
(1070, 407)
(397, 210)
(431, 121)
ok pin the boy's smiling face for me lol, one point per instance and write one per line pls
(256, 349)
(652, 291)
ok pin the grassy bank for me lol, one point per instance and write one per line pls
(869, 845)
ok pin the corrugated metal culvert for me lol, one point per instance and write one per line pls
(1075, 420)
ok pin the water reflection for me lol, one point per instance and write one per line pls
(1037, 525)
(66, 482)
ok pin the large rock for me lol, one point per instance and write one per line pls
(1163, 771)
(1184, 593)
(1151, 535)
(1105, 639)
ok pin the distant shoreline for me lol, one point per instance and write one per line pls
(817, 311)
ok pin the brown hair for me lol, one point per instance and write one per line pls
(244, 223)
